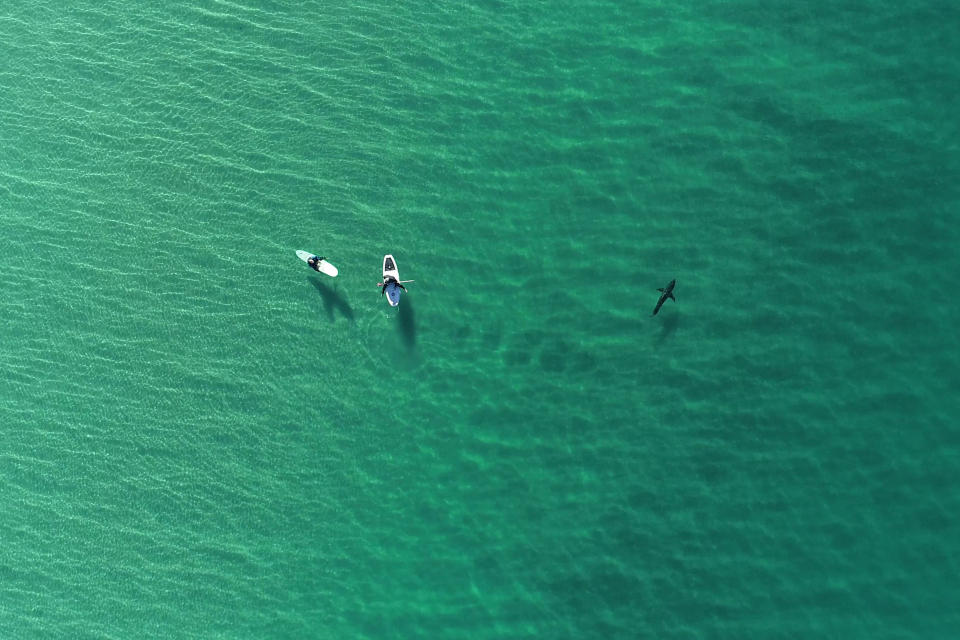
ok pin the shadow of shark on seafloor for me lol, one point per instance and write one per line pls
(406, 324)
(668, 326)
(332, 300)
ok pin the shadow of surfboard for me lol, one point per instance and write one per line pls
(406, 324)
(333, 301)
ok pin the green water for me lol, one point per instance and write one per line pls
(203, 439)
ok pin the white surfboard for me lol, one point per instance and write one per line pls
(324, 266)
(390, 270)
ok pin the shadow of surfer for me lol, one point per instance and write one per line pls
(332, 300)
(407, 325)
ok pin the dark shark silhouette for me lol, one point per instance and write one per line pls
(667, 293)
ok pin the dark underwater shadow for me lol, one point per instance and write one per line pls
(407, 325)
(333, 301)
(669, 323)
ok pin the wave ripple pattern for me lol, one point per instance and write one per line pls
(202, 438)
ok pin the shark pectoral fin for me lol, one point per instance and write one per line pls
(670, 295)
(660, 289)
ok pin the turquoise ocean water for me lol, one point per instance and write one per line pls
(200, 438)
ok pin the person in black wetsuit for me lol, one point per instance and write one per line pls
(390, 280)
(314, 262)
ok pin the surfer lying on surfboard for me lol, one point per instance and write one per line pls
(314, 262)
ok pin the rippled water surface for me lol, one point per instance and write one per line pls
(203, 438)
